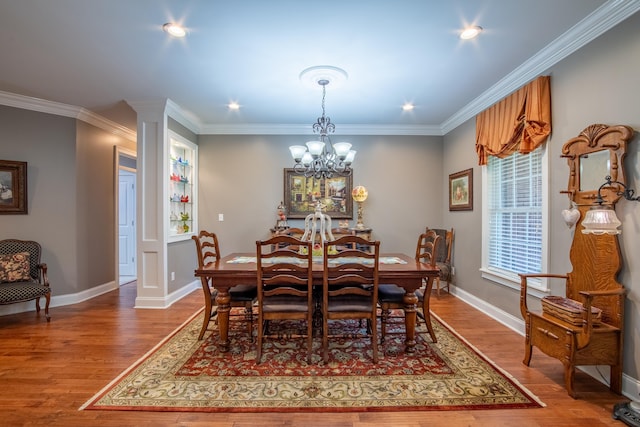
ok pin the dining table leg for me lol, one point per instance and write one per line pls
(223, 300)
(410, 303)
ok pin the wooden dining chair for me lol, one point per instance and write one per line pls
(391, 296)
(285, 286)
(350, 288)
(244, 295)
(443, 258)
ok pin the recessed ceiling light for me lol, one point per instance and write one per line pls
(175, 30)
(470, 32)
(233, 106)
(407, 106)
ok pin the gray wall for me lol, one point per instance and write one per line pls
(70, 184)
(598, 84)
(242, 177)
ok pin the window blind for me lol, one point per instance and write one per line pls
(515, 212)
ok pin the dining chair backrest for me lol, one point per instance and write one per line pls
(427, 247)
(443, 257)
(350, 285)
(351, 266)
(285, 285)
(207, 248)
(443, 254)
(283, 260)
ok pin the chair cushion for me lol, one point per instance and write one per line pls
(14, 267)
(285, 303)
(445, 270)
(21, 291)
(243, 293)
(390, 293)
(350, 303)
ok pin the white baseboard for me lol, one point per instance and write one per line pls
(69, 299)
(161, 303)
(59, 301)
(630, 385)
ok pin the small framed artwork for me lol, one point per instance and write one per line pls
(301, 194)
(461, 191)
(13, 187)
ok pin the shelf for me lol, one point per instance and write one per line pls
(182, 174)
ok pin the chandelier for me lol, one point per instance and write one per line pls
(322, 158)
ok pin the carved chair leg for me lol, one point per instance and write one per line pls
(207, 318)
(615, 379)
(309, 338)
(384, 318)
(261, 328)
(46, 307)
(527, 353)
(374, 340)
(427, 321)
(248, 315)
(325, 340)
(569, 373)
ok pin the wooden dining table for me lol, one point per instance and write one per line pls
(397, 268)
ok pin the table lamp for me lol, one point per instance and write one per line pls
(359, 194)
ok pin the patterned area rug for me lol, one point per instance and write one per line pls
(184, 374)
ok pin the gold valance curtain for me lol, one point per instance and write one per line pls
(520, 122)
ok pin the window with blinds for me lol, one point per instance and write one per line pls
(514, 191)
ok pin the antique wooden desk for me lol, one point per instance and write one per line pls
(396, 268)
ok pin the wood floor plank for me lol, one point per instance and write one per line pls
(48, 370)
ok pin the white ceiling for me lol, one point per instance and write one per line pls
(96, 54)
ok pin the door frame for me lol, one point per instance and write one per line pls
(117, 152)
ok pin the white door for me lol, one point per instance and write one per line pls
(127, 225)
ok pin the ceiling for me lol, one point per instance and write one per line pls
(99, 54)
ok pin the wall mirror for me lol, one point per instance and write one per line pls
(598, 151)
(593, 168)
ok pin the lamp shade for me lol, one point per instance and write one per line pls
(359, 193)
(297, 151)
(342, 149)
(315, 147)
(601, 220)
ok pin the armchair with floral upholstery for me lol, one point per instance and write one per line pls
(22, 276)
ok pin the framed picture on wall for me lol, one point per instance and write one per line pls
(461, 191)
(13, 187)
(301, 194)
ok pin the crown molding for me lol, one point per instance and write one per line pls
(597, 23)
(65, 110)
(291, 129)
(184, 117)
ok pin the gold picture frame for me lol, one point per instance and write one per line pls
(301, 195)
(13, 187)
(461, 191)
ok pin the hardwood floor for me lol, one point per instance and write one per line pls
(48, 370)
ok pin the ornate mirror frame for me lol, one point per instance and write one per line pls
(593, 139)
(596, 259)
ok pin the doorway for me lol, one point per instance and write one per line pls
(126, 265)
